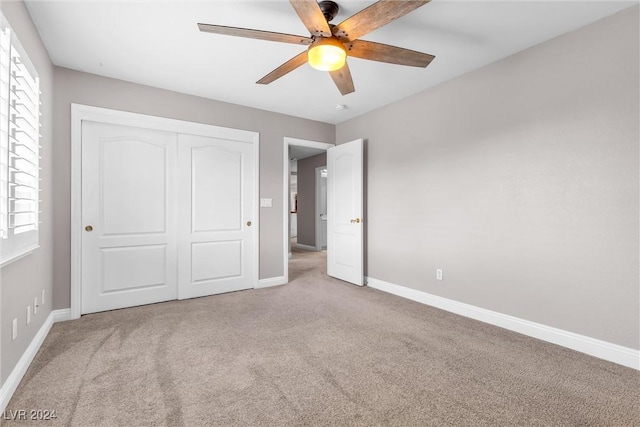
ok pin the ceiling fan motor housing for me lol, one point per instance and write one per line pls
(329, 9)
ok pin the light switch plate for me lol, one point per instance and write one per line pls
(266, 203)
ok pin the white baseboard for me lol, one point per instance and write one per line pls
(604, 350)
(61, 315)
(306, 247)
(11, 384)
(271, 281)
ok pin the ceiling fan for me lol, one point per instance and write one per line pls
(329, 44)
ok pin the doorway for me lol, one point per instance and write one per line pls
(345, 222)
(302, 161)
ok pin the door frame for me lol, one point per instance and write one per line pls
(286, 241)
(80, 113)
(318, 223)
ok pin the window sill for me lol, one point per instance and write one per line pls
(9, 258)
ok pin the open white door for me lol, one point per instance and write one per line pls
(345, 259)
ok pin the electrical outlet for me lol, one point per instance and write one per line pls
(439, 274)
(35, 305)
(28, 314)
(42, 298)
(14, 329)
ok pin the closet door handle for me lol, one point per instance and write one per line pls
(248, 223)
(88, 228)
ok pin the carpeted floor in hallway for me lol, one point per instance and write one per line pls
(314, 352)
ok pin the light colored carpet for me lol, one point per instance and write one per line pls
(315, 352)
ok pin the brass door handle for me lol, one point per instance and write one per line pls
(355, 221)
(88, 228)
(248, 223)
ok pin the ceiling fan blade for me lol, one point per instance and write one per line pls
(384, 53)
(285, 68)
(255, 34)
(342, 79)
(312, 17)
(374, 17)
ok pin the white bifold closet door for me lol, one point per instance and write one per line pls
(164, 216)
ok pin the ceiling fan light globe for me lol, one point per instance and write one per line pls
(327, 54)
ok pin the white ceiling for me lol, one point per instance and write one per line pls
(157, 43)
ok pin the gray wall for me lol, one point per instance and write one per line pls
(23, 280)
(307, 198)
(82, 88)
(520, 180)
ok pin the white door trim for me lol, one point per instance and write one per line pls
(285, 193)
(80, 113)
(318, 222)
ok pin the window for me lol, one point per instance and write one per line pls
(19, 149)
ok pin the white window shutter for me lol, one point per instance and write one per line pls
(5, 49)
(24, 147)
(19, 149)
